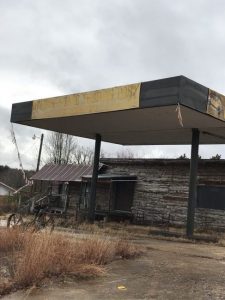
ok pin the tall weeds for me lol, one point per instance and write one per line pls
(34, 256)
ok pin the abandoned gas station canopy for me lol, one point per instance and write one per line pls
(159, 112)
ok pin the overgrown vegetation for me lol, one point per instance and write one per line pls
(7, 204)
(27, 258)
(216, 157)
(13, 177)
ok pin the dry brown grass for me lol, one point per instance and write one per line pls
(27, 258)
(119, 230)
(9, 239)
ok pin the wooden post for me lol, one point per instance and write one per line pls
(94, 179)
(192, 199)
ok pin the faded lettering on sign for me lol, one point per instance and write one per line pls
(106, 100)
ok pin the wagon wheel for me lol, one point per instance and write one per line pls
(15, 220)
(45, 222)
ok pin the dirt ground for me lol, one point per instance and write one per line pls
(168, 270)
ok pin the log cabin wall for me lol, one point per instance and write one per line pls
(161, 190)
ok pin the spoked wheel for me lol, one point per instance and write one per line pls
(15, 220)
(45, 222)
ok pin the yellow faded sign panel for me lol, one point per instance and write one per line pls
(216, 105)
(106, 100)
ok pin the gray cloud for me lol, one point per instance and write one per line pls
(53, 47)
(91, 44)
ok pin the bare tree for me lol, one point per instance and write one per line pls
(60, 147)
(63, 149)
(83, 155)
(125, 153)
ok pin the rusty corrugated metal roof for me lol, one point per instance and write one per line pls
(65, 172)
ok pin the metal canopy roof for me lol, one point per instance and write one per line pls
(160, 112)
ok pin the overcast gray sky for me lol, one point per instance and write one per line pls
(54, 47)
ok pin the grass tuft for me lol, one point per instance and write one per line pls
(27, 258)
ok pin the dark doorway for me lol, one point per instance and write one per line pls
(123, 197)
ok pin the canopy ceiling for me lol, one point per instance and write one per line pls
(160, 112)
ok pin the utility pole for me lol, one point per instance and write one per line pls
(39, 154)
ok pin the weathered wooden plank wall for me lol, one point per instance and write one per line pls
(161, 191)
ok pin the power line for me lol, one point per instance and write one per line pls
(18, 153)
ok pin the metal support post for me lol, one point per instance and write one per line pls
(192, 199)
(94, 178)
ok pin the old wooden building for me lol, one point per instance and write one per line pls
(147, 191)
(161, 190)
(68, 187)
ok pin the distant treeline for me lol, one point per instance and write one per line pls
(13, 177)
